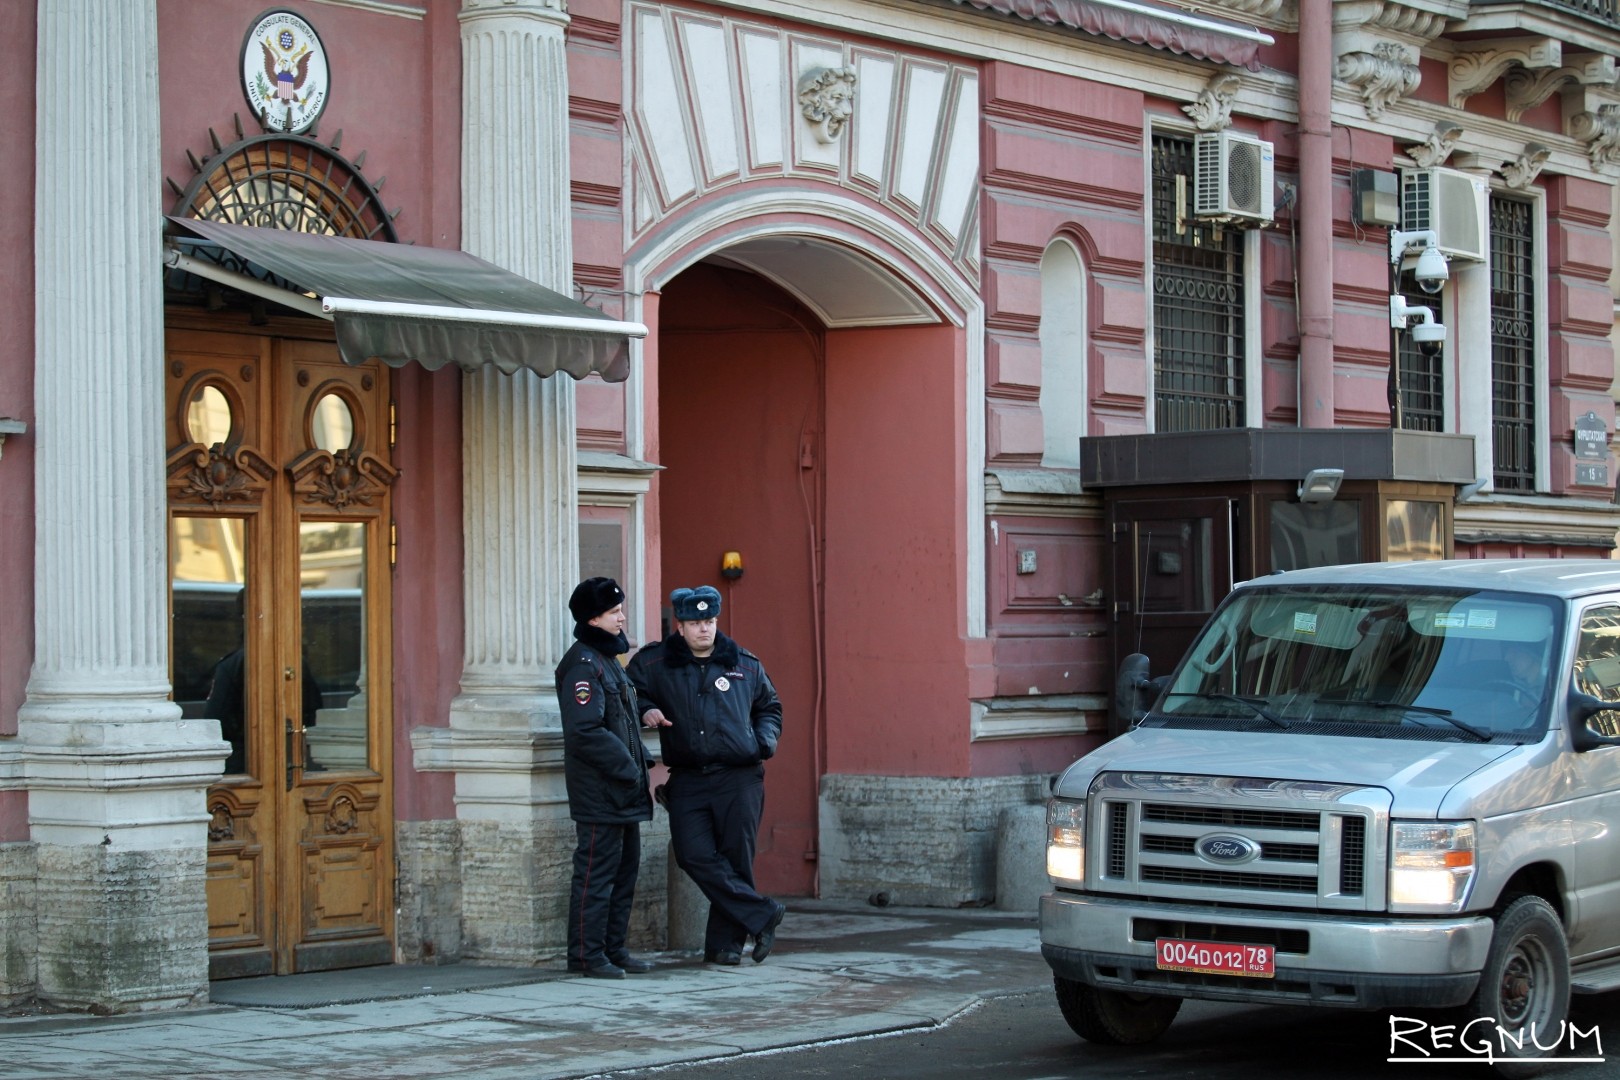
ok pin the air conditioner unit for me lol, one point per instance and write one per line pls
(1232, 176)
(1451, 203)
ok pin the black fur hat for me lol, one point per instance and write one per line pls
(593, 596)
(695, 605)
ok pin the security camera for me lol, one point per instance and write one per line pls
(1431, 272)
(1428, 337)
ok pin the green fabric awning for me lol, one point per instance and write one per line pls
(403, 303)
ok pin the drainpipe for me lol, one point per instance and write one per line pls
(1314, 259)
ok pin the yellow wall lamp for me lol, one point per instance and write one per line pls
(731, 565)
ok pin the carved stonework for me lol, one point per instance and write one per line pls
(1527, 89)
(341, 480)
(516, 7)
(221, 823)
(1213, 109)
(1383, 76)
(342, 817)
(1437, 147)
(216, 474)
(1600, 131)
(1522, 172)
(827, 100)
(1478, 66)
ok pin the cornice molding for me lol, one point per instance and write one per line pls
(1477, 64)
(1526, 89)
(1522, 171)
(1438, 146)
(1383, 75)
(1212, 109)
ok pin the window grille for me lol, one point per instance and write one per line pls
(1422, 377)
(1198, 300)
(1513, 361)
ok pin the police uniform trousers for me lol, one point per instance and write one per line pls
(606, 861)
(713, 823)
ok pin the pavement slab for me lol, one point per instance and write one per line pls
(839, 971)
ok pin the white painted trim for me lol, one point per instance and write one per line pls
(1538, 297)
(461, 314)
(1254, 406)
(687, 239)
(1033, 717)
(380, 7)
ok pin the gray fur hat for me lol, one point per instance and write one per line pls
(695, 605)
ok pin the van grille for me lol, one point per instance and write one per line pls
(1294, 843)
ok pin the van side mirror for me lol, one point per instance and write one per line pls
(1583, 708)
(1134, 694)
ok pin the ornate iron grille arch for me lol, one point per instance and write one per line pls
(282, 181)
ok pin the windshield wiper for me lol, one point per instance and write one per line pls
(1427, 710)
(1259, 709)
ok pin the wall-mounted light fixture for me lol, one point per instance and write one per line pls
(1320, 485)
(731, 565)
(1374, 198)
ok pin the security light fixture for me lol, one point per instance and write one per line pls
(1320, 485)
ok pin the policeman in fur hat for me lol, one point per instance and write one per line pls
(605, 766)
(718, 720)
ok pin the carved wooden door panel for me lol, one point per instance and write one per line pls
(279, 485)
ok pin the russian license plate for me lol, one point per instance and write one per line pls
(1216, 958)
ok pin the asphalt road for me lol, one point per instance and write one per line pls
(1023, 1037)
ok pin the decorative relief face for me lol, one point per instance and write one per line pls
(827, 100)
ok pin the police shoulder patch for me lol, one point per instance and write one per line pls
(582, 692)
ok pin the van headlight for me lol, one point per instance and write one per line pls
(1066, 841)
(1431, 865)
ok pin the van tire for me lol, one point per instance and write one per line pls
(1525, 981)
(1112, 1017)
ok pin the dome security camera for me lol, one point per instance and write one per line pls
(1431, 271)
(1428, 337)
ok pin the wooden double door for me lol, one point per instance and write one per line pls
(280, 550)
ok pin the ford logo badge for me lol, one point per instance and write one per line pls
(1226, 848)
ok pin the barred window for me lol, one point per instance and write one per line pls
(1513, 361)
(1198, 329)
(1422, 376)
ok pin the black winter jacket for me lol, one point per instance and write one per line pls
(722, 708)
(604, 762)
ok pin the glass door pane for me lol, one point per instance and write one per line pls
(208, 572)
(332, 598)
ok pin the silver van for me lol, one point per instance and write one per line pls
(1386, 786)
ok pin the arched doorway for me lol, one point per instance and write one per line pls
(741, 382)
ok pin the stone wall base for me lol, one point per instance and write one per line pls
(121, 930)
(489, 892)
(19, 932)
(916, 841)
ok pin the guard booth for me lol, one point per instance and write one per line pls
(1191, 514)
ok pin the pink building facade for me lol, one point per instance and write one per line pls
(930, 311)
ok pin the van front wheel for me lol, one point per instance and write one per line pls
(1524, 988)
(1112, 1017)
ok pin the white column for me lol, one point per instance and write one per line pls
(520, 499)
(116, 779)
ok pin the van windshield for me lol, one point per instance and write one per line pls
(1372, 660)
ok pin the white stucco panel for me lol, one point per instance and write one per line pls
(960, 161)
(924, 99)
(714, 102)
(874, 103)
(704, 46)
(660, 108)
(761, 56)
(808, 151)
